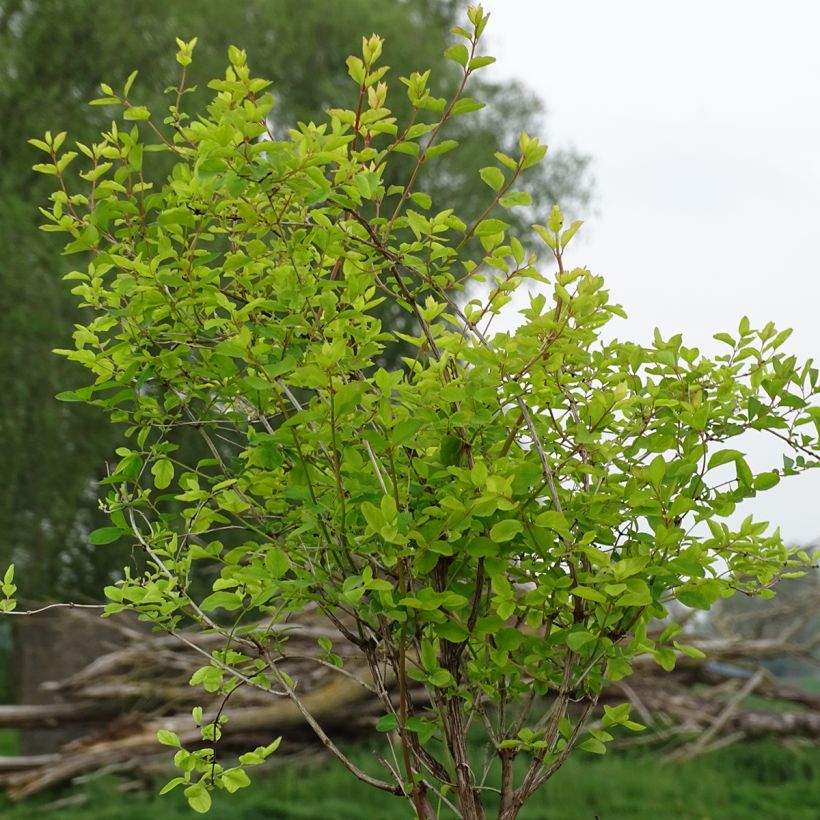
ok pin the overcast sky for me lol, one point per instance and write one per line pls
(703, 123)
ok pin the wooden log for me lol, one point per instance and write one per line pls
(797, 724)
(50, 715)
(24, 762)
(329, 704)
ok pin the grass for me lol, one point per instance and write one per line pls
(755, 779)
(8, 743)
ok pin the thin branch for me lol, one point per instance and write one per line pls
(67, 605)
(396, 789)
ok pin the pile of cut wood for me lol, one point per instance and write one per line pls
(119, 701)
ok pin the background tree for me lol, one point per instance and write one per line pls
(53, 54)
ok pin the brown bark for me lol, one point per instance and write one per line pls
(469, 798)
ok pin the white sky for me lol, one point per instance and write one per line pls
(703, 122)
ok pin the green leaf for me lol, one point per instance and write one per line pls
(743, 472)
(670, 632)
(410, 148)
(163, 472)
(691, 651)
(570, 232)
(373, 515)
(508, 639)
(72, 395)
(388, 508)
(693, 598)
(450, 450)
(630, 566)
(482, 547)
(268, 750)
(534, 157)
(229, 601)
(657, 470)
(515, 198)
(616, 715)
(589, 594)
(453, 632)
(765, 481)
(458, 54)
(425, 729)
(553, 520)
(593, 745)
(129, 82)
(177, 216)
(638, 592)
(506, 530)
(665, 658)
(618, 669)
(480, 62)
(277, 562)
(442, 148)
(556, 220)
(493, 177)
(441, 678)
(356, 69)
(105, 535)
(466, 105)
(479, 474)
(578, 640)
(505, 160)
(209, 677)
(137, 112)
(724, 457)
(40, 144)
(489, 227)
(548, 238)
(167, 738)
(235, 779)
(199, 798)
(172, 784)
(387, 723)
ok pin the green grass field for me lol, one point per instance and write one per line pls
(757, 779)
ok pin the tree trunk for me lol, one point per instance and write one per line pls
(469, 798)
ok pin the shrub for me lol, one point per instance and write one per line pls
(497, 518)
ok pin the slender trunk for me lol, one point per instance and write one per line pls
(507, 757)
(537, 777)
(468, 795)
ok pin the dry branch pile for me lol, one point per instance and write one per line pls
(119, 701)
